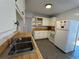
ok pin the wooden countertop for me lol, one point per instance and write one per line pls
(35, 55)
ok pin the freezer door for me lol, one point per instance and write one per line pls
(62, 24)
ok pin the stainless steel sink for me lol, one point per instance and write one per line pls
(23, 40)
(20, 45)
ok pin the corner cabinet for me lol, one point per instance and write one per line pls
(37, 21)
(45, 22)
(40, 21)
(52, 21)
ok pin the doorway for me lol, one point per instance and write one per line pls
(77, 41)
(76, 52)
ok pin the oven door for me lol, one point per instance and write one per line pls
(51, 37)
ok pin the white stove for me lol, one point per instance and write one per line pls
(51, 36)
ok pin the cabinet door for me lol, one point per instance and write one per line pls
(40, 34)
(21, 5)
(44, 34)
(36, 35)
(45, 21)
(52, 21)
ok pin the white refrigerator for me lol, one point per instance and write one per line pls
(66, 35)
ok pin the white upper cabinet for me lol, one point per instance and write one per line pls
(37, 21)
(20, 14)
(52, 21)
(45, 22)
(20, 6)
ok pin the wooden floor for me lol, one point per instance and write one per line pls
(49, 51)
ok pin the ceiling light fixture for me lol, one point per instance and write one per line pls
(48, 6)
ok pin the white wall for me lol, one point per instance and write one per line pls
(69, 14)
(7, 18)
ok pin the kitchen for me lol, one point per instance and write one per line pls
(47, 32)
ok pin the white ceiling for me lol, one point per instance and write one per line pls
(38, 6)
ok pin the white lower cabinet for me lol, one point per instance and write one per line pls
(40, 34)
